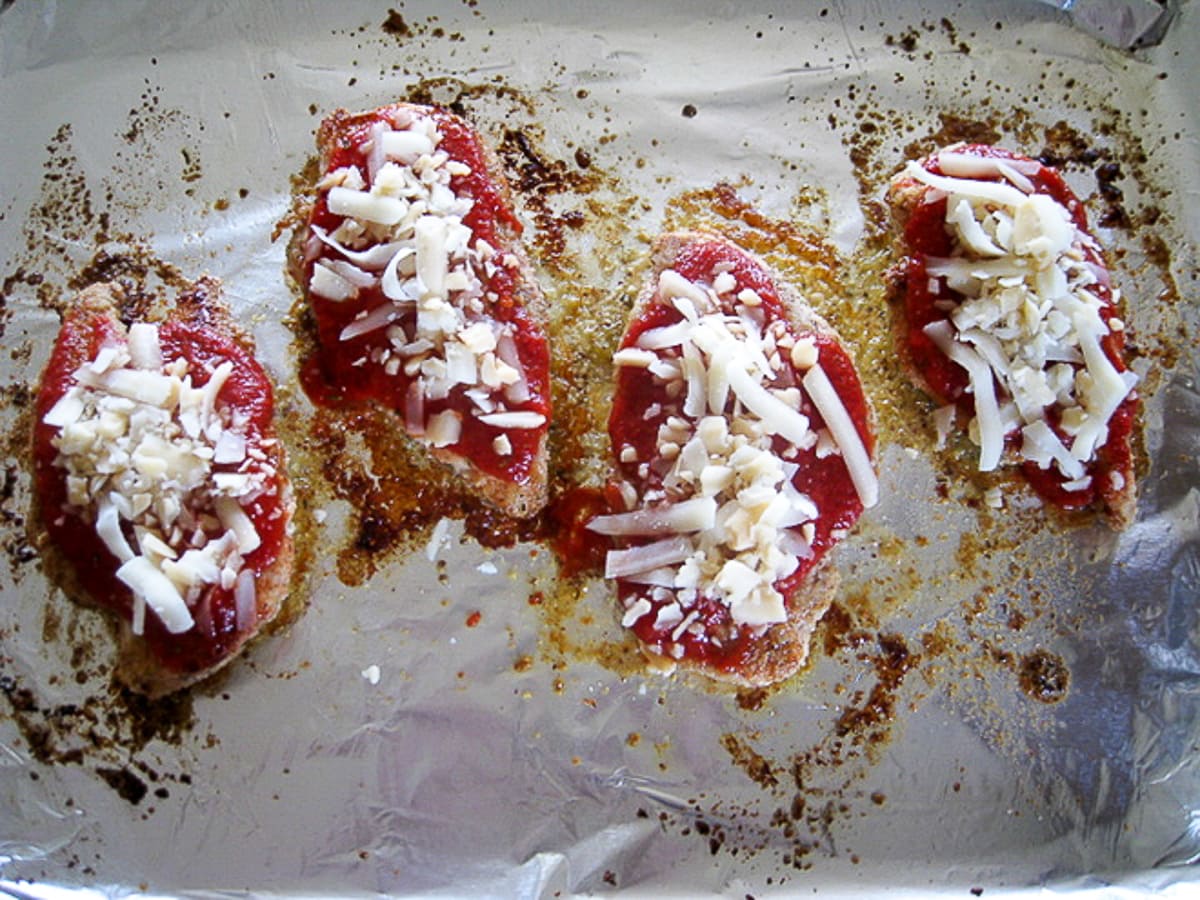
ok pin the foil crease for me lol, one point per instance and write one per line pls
(1120, 23)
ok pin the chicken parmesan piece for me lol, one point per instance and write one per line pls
(1011, 320)
(161, 485)
(744, 451)
(423, 298)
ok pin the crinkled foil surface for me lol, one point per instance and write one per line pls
(1001, 701)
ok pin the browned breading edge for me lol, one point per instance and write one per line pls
(784, 647)
(136, 666)
(517, 500)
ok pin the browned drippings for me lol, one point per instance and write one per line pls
(756, 766)
(1043, 676)
(751, 699)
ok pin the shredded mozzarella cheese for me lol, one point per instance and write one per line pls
(403, 219)
(728, 520)
(138, 447)
(1026, 325)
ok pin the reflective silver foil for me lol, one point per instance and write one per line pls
(379, 745)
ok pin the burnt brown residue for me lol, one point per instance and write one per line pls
(813, 788)
(13, 282)
(1043, 676)
(746, 758)
(66, 197)
(907, 40)
(13, 533)
(75, 210)
(113, 719)
(152, 127)
(807, 256)
(954, 129)
(1108, 177)
(107, 730)
(866, 718)
(543, 181)
(143, 276)
(839, 630)
(464, 98)
(1065, 147)
(191, 166)
(751, 699)
(395, 25)
(127, 785)
(396, 492)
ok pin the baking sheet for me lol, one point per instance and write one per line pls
(522, 752)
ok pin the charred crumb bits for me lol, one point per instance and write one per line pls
(394, 24)
(689, 111)
(751, 699)
(127, 785)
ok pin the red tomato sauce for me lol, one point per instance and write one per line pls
(83, 333)
(336, 380)
(577, 549)
(826, 481)
(926, 236)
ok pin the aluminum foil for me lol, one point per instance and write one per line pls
(1120, 22)
(1001, 700)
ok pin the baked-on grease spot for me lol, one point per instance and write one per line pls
(907, 41)
(757, 767)
(1043, 676)
(14, 535)
(127, 785)
(751, 699)
(108, 729)
(395, 25)
(877, 708)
